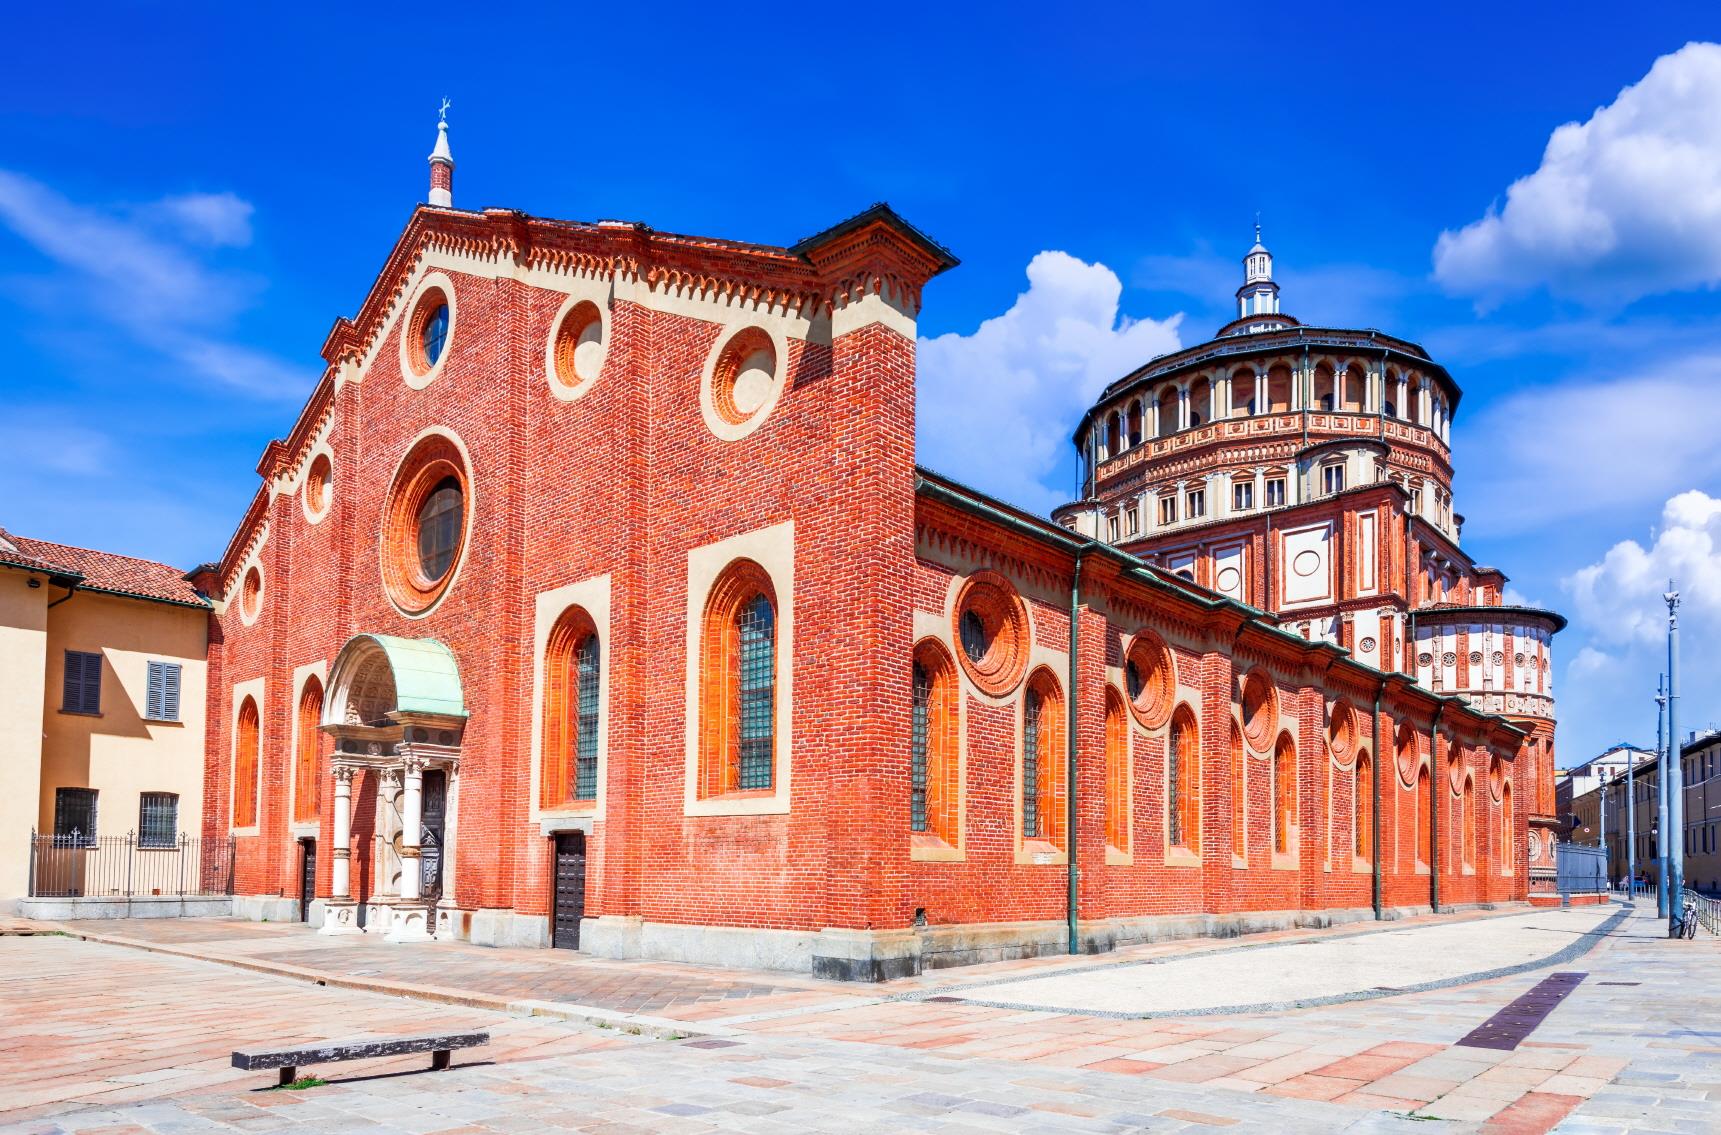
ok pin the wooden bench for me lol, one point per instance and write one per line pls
(441, 1046)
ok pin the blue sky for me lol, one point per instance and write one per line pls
(189, 198)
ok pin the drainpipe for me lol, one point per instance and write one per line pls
(1434, 811)
(1071, 870)
(1374, 813)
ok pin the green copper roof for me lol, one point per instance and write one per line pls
(426, 680)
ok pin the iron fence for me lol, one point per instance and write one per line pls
(124, 867)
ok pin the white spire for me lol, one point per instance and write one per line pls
(1258, 298)
(442, 163)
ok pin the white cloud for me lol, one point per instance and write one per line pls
(1588, 660)
(996, 407)
(1619, 597)
(213, 219)
(1624, 205)
(1550, 454)
(154, 290)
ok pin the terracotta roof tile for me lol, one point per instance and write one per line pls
(101, 571)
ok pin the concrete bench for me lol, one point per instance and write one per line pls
(289, 1060)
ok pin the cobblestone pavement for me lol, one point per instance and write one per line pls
(1636, 1047)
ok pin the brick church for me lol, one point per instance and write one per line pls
(595, 600)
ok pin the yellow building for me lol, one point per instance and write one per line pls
(102, 686)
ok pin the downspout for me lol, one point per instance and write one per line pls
(1071, 870)
(1374, 813)
(1434, 811)
(71, 590)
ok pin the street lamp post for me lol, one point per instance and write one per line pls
(1675, 825)
(1661, 795)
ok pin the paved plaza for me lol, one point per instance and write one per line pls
(1295, 1031)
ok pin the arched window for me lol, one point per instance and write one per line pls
(1278, 389)
(1117, 771)
(1467, 802)
(1424, 842)
(307, 781)
(1284, 793)
(1362, 807)
(1134, 422)
(1239, 795)
(933, 779)
(1183, 782)
(1508, 845)
(738, 690)
(1167, 411)
(1042, 764)
(568, 770)
(1352, 391)
(245, 746)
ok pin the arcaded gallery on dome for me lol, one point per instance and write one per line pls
(595, 600)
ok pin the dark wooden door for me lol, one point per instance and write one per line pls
(569, 904)
(433, 823)
(307, 877)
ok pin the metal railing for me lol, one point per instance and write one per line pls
(124, 867)
(1708, 910)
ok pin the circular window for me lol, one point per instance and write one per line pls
(1151, 677)
(744, 379)
(1260, 709)
(425, 340)
(1409, 760)
(992, 628)
(318, 487)
(425, 524)
(1449, 659)
(1496, 777)
(251, 594)
(1475, 658)
(577, 350)
(1341, 730)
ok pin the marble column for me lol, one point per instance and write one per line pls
(340, 913)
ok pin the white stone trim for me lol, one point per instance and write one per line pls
(425, 282)
(252, 688)
(874, 307)
(734, 431)
(593, 597)
(772, 548)
(580, 290)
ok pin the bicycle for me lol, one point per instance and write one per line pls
(1686, 925)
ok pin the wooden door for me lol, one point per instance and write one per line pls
(569, 904)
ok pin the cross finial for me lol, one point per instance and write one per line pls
(442, 114)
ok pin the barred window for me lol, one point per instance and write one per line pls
(586, 756)
(1174, 789)
(75, 816)
(738, 683)
(1031, 764)
(157, 819)
(568, 760)
(756, 624)
(917, 773)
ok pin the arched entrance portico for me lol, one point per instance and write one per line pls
(396, 710)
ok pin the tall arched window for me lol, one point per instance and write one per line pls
(1467, 803)
(245, 745)
(307, 781)
(1362, 808)
(738, 687)
(1284, 793)
(1117, 771)
(1042, 763)
(1508, 845)
(568, 767)
(1183, 782)
(934, 788)
(1421, 805)
(1239, 794)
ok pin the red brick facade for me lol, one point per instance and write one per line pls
(637, 484)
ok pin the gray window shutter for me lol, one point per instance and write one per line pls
(170, 691)
(82, 689)
(153, 705)
(92, 683)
